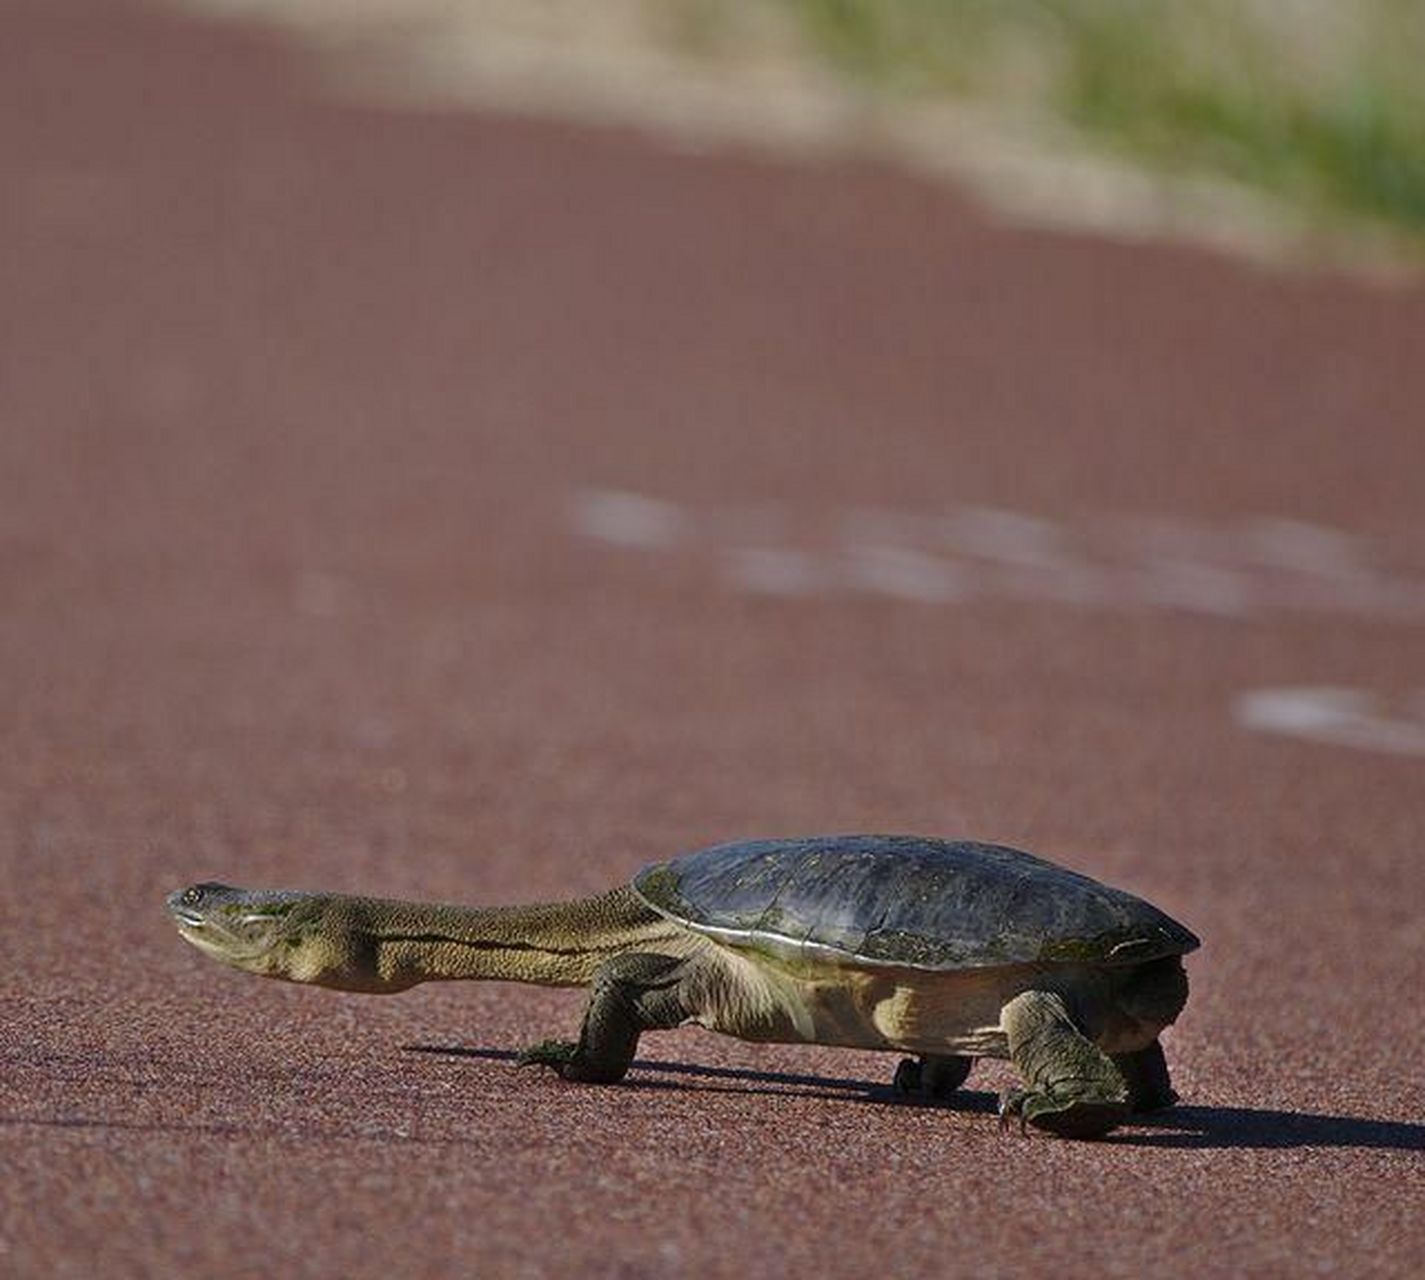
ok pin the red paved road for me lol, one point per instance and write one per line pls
(296, 401)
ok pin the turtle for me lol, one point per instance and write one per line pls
(943, 950)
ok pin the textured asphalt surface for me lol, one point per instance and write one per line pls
(318, 567)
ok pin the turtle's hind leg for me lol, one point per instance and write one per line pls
(936, 1075)
(1073, 1088)
(630, 994)
(1149, 1087)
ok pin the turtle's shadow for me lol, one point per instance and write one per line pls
(1188, 1127)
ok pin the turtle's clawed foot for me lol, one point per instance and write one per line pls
(934, 1077)
(548, 1053)
(1069, 1116)
(907, 1077)
(1150, 1102)
(1011, 1105)
(1146, 1074)
(573, 1062)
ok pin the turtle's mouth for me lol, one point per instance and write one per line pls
(213, 937)
(235, 936)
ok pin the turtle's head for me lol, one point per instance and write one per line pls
(274, 932)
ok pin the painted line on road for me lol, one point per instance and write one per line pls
(1347, 717)
(1233, 570)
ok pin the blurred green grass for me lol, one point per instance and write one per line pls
(1319, 102)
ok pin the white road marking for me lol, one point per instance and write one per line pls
(1306, 548)
(1201, 588)
(1345, 716)
(1240, 569)
(1007, 536)
(905, 573)
(630, 519)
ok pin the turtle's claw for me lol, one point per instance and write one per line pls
(548, 1053)
(1011, 1105)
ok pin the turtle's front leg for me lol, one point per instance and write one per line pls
(1073, 1088)
(630, 994)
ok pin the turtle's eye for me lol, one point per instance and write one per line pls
(191, 897)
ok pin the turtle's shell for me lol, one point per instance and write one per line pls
(909, 901)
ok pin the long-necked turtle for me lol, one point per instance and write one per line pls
(948, 950)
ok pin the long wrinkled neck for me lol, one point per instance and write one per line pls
(399, 944)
